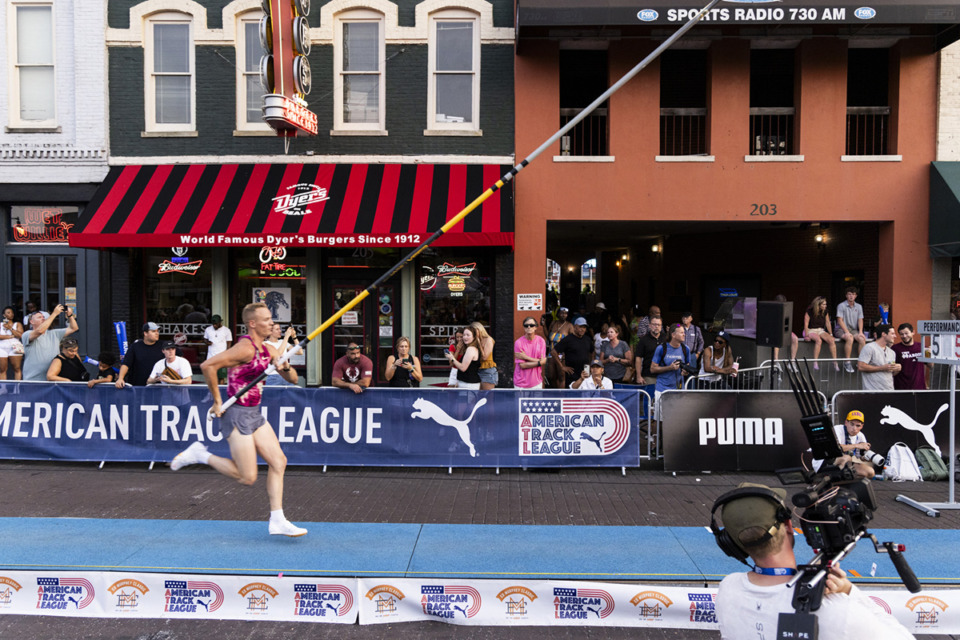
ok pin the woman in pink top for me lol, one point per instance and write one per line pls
(530, 353)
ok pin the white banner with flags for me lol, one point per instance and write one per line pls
(461, 601)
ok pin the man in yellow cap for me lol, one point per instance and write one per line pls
(852, 442)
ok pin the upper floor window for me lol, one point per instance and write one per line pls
(683, 102)
(359, 84)
(868, 103)
(169, 74)
(454, 67)
(583, 77)
(249, 90)
(32, 84)
(772, 108)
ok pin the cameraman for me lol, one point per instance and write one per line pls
(852, 442)
(749, 604)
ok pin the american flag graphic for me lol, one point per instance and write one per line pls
(347, 596)
(614, 415)
(199, 584)
(71, 582)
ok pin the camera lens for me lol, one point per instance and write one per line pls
(872, 456)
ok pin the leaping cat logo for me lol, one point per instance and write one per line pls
(429, 411)
(892, 415)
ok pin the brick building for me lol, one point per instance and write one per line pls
(205, 210)
(774, 149)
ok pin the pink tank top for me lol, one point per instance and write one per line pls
(242, 375)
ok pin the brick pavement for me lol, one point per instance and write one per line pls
(572, 496)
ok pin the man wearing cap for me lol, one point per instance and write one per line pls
(41, 344)
(592, 380)
(218, 339)
(749, 604)
(140, 358)
(172, 369)
(576, 350)
(67, 366)
(852, 442)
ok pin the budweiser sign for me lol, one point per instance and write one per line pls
(183, 267)
(295, 204)
(447, 270)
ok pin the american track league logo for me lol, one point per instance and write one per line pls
(258, 596)
(449, 601)
(127, 594)
(581, 604)
(64, 593)
(297, 203)
(191, 596)
(385, 598)
(517, 601)
(651, 604)
(572, 427)
(927, 610)
(321, 600)
(703, 607)
(8, 588)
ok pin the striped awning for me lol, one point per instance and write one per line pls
(334, 205)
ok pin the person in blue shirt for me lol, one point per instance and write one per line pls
(668, 358)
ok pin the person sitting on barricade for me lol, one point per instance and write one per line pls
(67, 366)
(172, 369)
(717, 363)
(592, 378)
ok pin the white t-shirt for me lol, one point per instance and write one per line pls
(747, 611)
(874, 354)
(180, 365)
(589, 384)
(219, 339)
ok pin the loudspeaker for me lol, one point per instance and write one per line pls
(774, 324)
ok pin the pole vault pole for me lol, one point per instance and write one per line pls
(666, 44)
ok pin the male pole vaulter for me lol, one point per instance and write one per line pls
(242, 424)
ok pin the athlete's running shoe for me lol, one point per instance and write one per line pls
(286, 528)
(190, 455)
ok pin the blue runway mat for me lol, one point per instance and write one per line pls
(423, 550)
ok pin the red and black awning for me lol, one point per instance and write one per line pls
(336, 205)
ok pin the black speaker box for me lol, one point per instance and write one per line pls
(774, 324)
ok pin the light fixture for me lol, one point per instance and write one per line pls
(655, 248)
(570, 269)
(618, 264)
(820, 239)
(624, 257)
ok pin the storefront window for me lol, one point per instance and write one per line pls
(41, 224)
(275, 276)
(455, 290)
(178, 287)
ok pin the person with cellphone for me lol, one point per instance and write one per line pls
(41, 343)
(592, 378)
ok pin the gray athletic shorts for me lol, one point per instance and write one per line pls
(246, 420)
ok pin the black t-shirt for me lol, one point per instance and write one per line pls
(576, 351)
(72, 369)
(646, 347)
(140, 359)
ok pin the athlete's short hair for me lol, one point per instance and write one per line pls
(250, 310)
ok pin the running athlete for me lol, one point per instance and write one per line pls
(242, 424)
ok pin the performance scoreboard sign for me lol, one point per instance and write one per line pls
(941, 340)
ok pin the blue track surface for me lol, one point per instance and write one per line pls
(422, 550)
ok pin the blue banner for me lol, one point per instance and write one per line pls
(381, 427)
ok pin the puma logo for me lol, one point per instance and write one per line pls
(429, 411)
(892, 415)
(596, 441)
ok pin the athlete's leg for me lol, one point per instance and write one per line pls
(268, 447)
(243, 465)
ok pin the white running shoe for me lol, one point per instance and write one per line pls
(286, 528)
(190, 455)
(848, 367)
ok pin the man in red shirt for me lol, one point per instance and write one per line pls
(353, 371)
(912, 371)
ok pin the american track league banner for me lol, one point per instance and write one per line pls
(197, 597)
(383, 427)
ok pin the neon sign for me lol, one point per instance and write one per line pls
(41, 225)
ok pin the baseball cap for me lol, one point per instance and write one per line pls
(563, 309)
(856, 415)
(580, 322)
(751, 511)
(216, 318)
(723, 336)
(151, 326)
(601, 306)
(596, 363)
(168, 344)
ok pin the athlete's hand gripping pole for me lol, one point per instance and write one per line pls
(666, 44)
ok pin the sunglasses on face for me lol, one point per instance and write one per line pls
(529, 324)
(353, 348)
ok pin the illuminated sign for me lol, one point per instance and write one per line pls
(189, 268)
(40, 225)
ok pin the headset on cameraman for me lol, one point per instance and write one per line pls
(725, 541)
